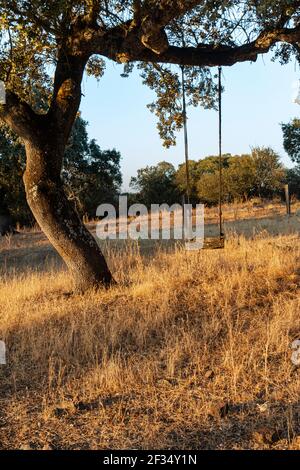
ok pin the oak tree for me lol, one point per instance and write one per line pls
(45, 48)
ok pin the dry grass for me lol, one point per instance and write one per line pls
(190, 350)
(255, 208)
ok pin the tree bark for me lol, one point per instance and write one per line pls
(59, 220)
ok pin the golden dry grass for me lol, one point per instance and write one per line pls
(191, 350)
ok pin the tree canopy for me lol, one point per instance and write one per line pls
(38, 38)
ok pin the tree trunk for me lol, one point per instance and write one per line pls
(58, 218)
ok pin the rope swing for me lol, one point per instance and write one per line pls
(220, 154)
(211, 242)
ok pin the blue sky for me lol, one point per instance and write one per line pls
(257, 98)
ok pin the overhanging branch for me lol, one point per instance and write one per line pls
(122, 48)
(19, 116)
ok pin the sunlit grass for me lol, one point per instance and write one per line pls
(155, 361)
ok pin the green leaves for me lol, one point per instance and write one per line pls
(156, 185)
(258, 174)
(91, 176)
(95, 67)
(291, 139)
(12, 166)
(166, 82)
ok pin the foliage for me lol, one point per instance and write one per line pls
(12, 165)
(193, 177)
(156, 184)
(155, 35)
(269, 172)
(45, 48)
(197, 169)
(291, 139)
(293, 180)
(92, 176)
(258, 174)
(167, 83)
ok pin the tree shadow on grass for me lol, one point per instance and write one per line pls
(63, 340)
(21, 260)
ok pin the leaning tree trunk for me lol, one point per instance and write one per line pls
(58, 218)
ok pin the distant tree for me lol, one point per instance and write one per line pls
(258, 174)
(291, 139)
(240, 178)
(156, 184)
(12, 165)
(293, 180)
(92, 176)
(197, 169)
(180, 179)
(208, 188)
(269, 172)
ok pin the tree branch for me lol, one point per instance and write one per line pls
(29, 13)
(20, 117)
(66, 96)
(156, 15)
(118, 46)
(91, 17)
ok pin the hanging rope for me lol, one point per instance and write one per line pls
(186, 142)
(186, 147)
(220, 153)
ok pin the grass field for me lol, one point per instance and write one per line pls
(191, 350)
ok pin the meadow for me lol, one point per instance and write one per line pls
(190, 350)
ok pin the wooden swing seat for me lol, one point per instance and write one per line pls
(211, 243)
(214, 243)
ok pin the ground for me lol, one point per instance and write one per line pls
(191, 350)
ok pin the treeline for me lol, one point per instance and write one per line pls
(92, 176)
(258, 174)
